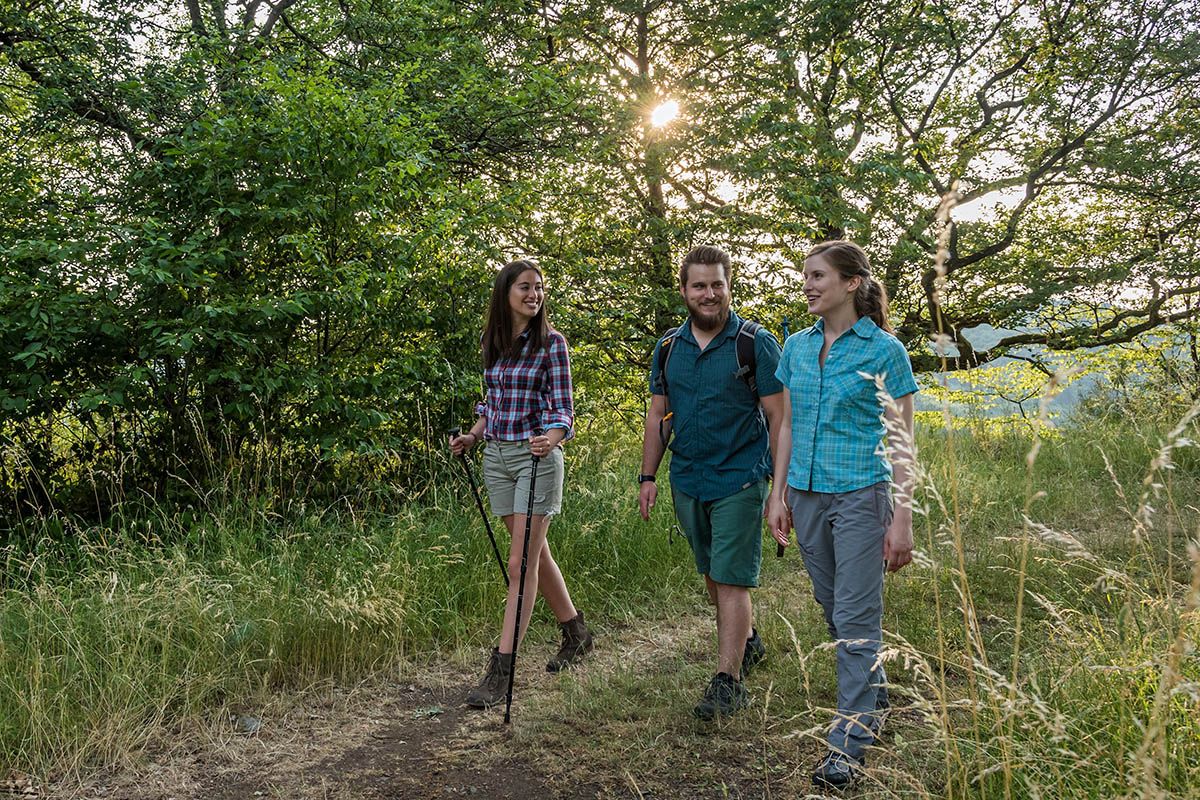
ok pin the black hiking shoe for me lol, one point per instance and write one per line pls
(576, 643)
(494, 687)
(837, 771)
(725, 694)
(756, 652)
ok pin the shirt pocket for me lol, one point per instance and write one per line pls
(856, 394)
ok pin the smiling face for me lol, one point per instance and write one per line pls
(706, 293)
(526, 296)
(827, 292)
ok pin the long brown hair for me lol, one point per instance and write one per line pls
(498, 339)
(850, 260)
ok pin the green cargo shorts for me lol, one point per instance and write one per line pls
(506, 470)
(725, 534)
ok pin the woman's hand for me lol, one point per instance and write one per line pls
(898, 541)
(779, 519)
(463, 443)
(542, 444)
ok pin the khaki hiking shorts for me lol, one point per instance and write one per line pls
(507, 467)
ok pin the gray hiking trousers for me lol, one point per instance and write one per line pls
(841, 539)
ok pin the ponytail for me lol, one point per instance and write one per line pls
(871, 301)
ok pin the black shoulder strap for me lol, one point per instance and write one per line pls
(746, 360)
(664, 356)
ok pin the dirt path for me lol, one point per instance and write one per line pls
(397, 738)
(380, 740)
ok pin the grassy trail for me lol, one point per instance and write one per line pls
(115, 639)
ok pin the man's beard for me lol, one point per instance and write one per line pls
(707, 323)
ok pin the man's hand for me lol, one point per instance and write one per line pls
(647, 494)
(779, 520)
(898, 541)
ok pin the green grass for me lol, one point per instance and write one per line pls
(108, 635)
(111, 635)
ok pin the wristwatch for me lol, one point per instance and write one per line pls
(643, 478)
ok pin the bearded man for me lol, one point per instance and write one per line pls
(712, 381)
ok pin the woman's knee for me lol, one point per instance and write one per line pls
(858, 621)
(532, 565)
(532, 562)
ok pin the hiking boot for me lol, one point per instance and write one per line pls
(576, 642)
(494, 687)
(837, 771)
(725, 694)
(756, 652)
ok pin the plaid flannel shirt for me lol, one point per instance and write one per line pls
(837, 418)
(528, 392)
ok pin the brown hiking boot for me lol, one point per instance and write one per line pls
(577, 640)
(495, 683)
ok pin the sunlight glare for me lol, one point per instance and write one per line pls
(664, 113)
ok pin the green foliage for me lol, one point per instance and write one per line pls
(256, 251)
(817, 120)
(230, 227)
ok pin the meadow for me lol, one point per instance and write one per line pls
(1042, 644)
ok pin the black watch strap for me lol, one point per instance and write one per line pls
(644, 478)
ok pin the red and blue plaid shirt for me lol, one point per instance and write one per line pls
(529, 392)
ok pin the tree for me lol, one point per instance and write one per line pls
(236, 225)
(822, 120)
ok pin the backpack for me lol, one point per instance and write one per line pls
(746, 361)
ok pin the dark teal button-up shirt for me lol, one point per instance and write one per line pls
(721, 443)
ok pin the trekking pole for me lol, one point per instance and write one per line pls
(512, 670)
(482, 513)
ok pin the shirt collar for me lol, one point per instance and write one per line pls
(865, 327)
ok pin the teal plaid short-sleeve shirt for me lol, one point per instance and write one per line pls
(837, 420)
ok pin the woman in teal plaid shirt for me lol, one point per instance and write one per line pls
(836, 489)
(529, 411)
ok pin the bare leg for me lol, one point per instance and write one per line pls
(537, 538)
(553, 587)
(733, 627)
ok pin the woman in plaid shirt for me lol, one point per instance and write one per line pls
(529, 411)
(842, 377)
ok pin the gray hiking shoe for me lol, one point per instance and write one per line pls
(725, 694)
(576, 643)
(756, 652)
(837, 771)
(495, 683)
